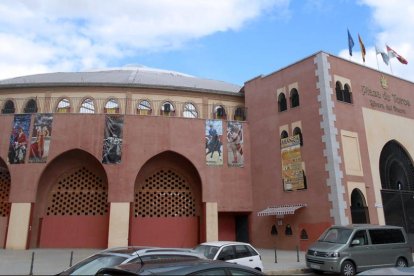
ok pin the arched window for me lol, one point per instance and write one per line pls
(111, 106)
(8, 107)
(282, 102)
(219, 112)
(338, 90)
(294, 98)
(297, 131)
(240, 114)
(87, 106)
(144, 108)
(284, 134)
(31, 106)
(167, 109)
(63, 106)
(359, 210)
(347, 94)
(190, 111)
(343, 94)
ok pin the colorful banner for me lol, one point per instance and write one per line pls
(40, 140)
(214, 145)
(235, 144)
(112, 144)
(18, 139)
(292, 172)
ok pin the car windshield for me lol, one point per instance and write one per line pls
(91, 265)
(336, 235)
(208, 251)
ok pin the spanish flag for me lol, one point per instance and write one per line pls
(363, 51)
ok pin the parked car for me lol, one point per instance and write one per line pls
(179, 267)
(121, 255)
(355, 248)
(234, 252)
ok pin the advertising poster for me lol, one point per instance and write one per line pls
(112, 144)
(292, 173)
(235, 144)
(40, 140)
(19, 139)
(214, 145)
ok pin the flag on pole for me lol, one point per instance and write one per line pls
(384, 55)
(350, 43)
(392, 53)
(363, 51)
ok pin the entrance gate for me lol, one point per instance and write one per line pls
(397, 181)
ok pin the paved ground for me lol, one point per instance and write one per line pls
(52, 261)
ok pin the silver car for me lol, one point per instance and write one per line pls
(122, 255)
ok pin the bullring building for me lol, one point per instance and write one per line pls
(139, 156)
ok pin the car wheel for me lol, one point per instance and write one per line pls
(348, 269)
(401, 262)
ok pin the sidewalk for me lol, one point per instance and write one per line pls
(53, 261)
(288, 262)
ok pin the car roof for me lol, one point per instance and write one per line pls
(189, 267)
(222, 243)
(366, 226)
(172, 267)
(127, 250)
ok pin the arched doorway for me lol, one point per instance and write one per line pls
(167, 203)
(359, 210)
(4, 201)
(397, 182)
(71, 209)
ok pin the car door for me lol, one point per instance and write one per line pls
(361, 252)
(245, 256)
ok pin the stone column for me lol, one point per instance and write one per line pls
(18, 230)
(119, 224)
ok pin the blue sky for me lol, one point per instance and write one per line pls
(228, 40)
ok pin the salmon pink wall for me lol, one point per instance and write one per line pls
(74, 232)
(314, 231)
(165, 232)
(265, 123)
(227, 227)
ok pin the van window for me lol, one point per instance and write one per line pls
(336, 235)
(381, 236)
(361, 235)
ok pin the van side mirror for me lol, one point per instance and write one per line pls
(355, 242)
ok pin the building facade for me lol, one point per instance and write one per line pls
(150, 157)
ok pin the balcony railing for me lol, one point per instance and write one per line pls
(125, 106)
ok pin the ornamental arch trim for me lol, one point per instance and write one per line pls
(73, 188)
(168, 185)
(396, 167)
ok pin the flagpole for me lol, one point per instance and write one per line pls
(376, 57)
(391, 67)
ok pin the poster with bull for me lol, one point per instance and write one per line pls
(112, 144)
(40, 140)
(18, 142)
(214, 145)
(235, 144)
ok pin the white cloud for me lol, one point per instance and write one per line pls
(50, 35)
(395, 19)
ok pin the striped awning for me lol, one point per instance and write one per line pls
(280, 210)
